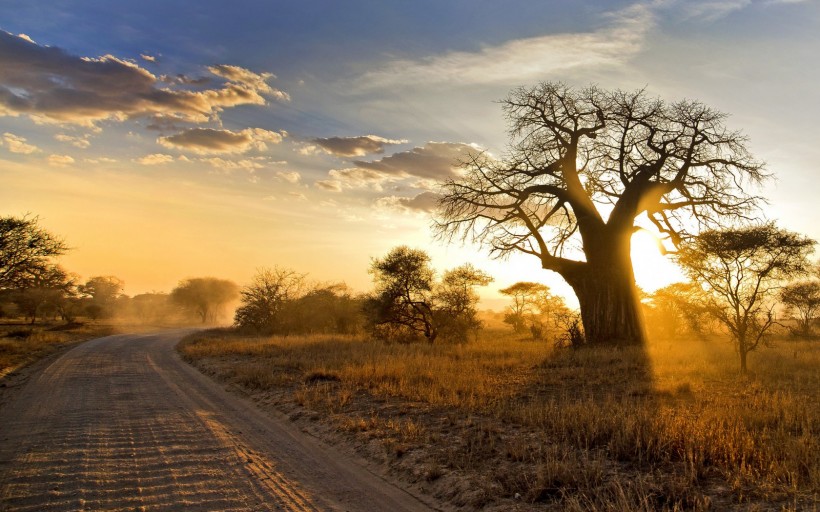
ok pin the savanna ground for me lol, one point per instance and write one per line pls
(504, 423)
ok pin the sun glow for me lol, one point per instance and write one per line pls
(652, 268)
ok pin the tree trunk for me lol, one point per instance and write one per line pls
(608, 297)
(743, 353)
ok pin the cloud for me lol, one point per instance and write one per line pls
(524, 60)
(185, 80)
(425, 202)
(17, 144)
(251, 80)
(211, 141)
(289, 176)
(60, 160)
(155, 159)
(329, 185)
(100, 160)
(354, 146)
(433, 161)
(244, 164)
(149, 58)
(713, 10)
(51, 85)
(356, 177)
(79, 142)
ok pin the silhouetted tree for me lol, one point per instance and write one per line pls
(150, 307)
(205, 296)
(802, 297)
(26, 251)
(102, 292)
(676, 309)
(742, 269)
(583, 166)
(46, 292)
(328, 308)
(265, 301)
(456, 300)
(524, 296)
(404, 293)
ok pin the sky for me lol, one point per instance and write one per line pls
(166, 140)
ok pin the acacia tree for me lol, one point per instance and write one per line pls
(404, 292)
(678, 308)
(804, 298)
(204, 296)
(409, 300)
(47, 291)
(25, 252)
(102, 293)
(582, 167)
(742, 269)
(264, 302)
(456, 301)
(524, 295)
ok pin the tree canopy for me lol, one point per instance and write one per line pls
(205, 296)
(743, 269)
(26, 251)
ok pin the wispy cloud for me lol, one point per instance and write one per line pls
(424, 202)
(230, 165)
(155, 159)
(211, 141)
(524, 59)
(17, 144)
(329, 185)
(81, 142)
(52, 85)
(433, 161)
(253, 81)
(353, 146)
(710, 11)
(60, 160)
(289, 176)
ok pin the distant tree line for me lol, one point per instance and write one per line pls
(743, 281)
(33, 286)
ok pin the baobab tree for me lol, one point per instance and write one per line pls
(584, 168)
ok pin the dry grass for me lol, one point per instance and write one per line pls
(21, 343)
(513, 424)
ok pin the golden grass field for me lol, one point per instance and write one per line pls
(514, 424)
(22, 344)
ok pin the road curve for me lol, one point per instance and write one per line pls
(122, 423)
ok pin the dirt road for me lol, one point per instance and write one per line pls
(121, 423)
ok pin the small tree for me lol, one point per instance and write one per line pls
(456, 301)
(742, 269)
(403, 300)
(524, 295)
(264, 302)
(102, 293)
(802, 297)
(676, 309)
(205, 296)
(328, 308)
(25, 252)
(46, 292)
